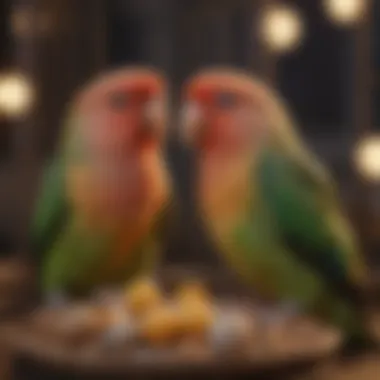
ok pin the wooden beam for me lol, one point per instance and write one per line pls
(363, 74)
(266, 64)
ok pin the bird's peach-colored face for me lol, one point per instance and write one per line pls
(124, 112)
(221, 115)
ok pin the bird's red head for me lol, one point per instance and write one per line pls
(124, 111)
(222, 111)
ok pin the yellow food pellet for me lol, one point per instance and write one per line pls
(196, 306)
(197, 316)
(143, 296)
(162, 326)
(193, 291)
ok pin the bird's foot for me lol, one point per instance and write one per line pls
(229, 331)
(56, 300)
(272, 321)
(117, 334)
(288, 311)
(279, 314)
(120, 330)
(107, 297)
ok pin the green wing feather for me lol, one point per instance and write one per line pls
(73, 255)
(51, 209)
(65, 251)
(74, 258)
(310, 221)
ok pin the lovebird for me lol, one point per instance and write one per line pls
(106, 196)
(270, 207)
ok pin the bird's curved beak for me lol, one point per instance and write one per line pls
(155, 118)
(153, 87)
(192, 123)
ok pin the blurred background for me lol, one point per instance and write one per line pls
(323, 55)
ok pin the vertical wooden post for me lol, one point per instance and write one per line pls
(25, 59)
(266, 61)
(75, 52)
(21, 170)
(363, 74)
(362, 111)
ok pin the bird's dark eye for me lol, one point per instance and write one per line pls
(225, 100)
(119, 100)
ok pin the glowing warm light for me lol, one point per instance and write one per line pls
(16, 95)
(367, 158)
(282, 28)
(345, 12)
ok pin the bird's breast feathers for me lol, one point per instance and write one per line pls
(129, 194)
(224, 191)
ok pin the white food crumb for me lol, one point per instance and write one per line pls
(230, 328)
(121, 329)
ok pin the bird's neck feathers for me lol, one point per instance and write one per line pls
(284, 135)
(107, 194)
(224, 189)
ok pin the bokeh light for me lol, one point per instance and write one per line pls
(345, 12)
(367, 158)
(16, 95)
(281, 28)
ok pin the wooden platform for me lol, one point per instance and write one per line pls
(31, 349)
(30, 355)
(36, 355)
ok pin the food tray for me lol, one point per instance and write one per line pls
(298, 347)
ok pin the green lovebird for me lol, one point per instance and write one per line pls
(269, 206)
(106, 196)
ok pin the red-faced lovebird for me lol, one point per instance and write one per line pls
(270, 207)
(107, 194)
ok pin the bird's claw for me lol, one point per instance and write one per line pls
(282, 313)
(120, 330)
(56, 300)
(117, 334)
